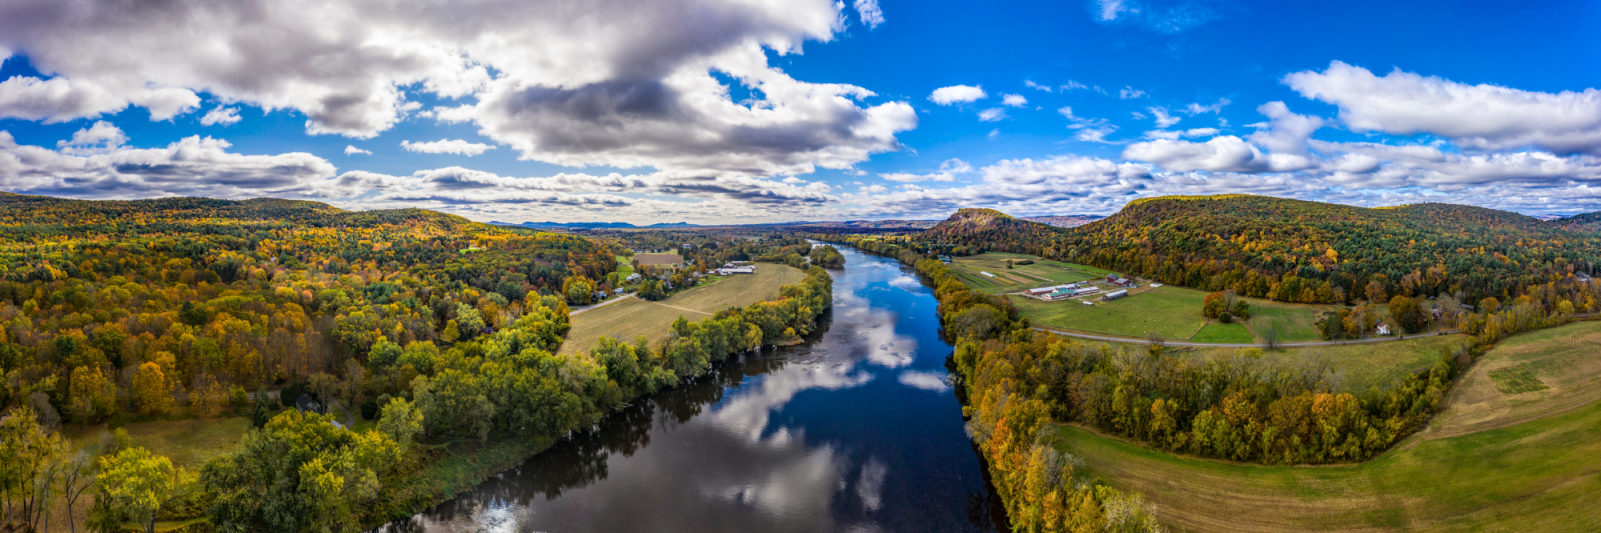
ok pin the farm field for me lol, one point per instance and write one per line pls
(1172, 312)
(625, 268)
(1175, 313)
(1526, 377)
(634, 317)
(1527, 467)
(1043, 272)
(659, 259)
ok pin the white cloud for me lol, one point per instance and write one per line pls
(947, 172)
(221, 115)
(957, 94)
(447, 146)
(992, 114)
(1013, 100)
(1486, 117)
(873, 189)
(1195, 108)
(1088, 129)
(60, 100)
(100, 138)
(994, 133)
(1175, 135)
(1030, 84)
(1130, 93)
(1163, 120)
(607, 82)
(1286, 132)
(1165, 16)
(1071, 85)
(1110, 9)
(928, 381)
(352, 150)
(870, 13)
(1220, 154)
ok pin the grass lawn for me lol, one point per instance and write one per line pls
(1293, 322)
(189, 443)
(1235, 333)
(634, 317)
(1172, 312)
(1537, 474)
(624, 267)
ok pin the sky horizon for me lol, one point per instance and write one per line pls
(753, 111)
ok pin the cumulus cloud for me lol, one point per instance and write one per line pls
(95, 164)
(1130, 93)
(607, 82)
(1072, 85)
(1013, 100)
(1030, 84)
(993, 114)
(1483, 116)
(957, 94)
(947, 172)
(1285, 132)
(869, 12)
(220, 115)
(60, 100)
(446, 146)
(352, 150)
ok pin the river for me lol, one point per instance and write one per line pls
(855, 430)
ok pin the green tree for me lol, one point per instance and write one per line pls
(400, 421)
(135, 485)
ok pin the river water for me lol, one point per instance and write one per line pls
(855, 430)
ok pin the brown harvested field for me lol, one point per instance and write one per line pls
(659, 259)
(1567, 360)
(634, 317)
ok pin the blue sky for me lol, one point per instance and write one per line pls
(718, 111)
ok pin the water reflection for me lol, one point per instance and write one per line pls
(855, 430)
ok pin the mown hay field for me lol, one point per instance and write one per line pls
(635, 317)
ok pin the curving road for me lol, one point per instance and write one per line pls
(1127, 340)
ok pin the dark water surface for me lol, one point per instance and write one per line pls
(855, 430)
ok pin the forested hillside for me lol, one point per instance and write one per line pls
(218, 293)
(1292, 250)
(443, 330)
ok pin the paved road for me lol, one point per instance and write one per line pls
(1128, 340)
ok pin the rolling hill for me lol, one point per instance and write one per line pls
(1251, 243)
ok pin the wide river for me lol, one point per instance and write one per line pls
(855, 430)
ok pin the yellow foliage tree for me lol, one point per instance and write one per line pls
(150, 390)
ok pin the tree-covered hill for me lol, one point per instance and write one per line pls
(1296, 250)
(1584, 222)
(983, 228)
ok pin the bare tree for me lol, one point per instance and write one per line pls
(76, 478)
